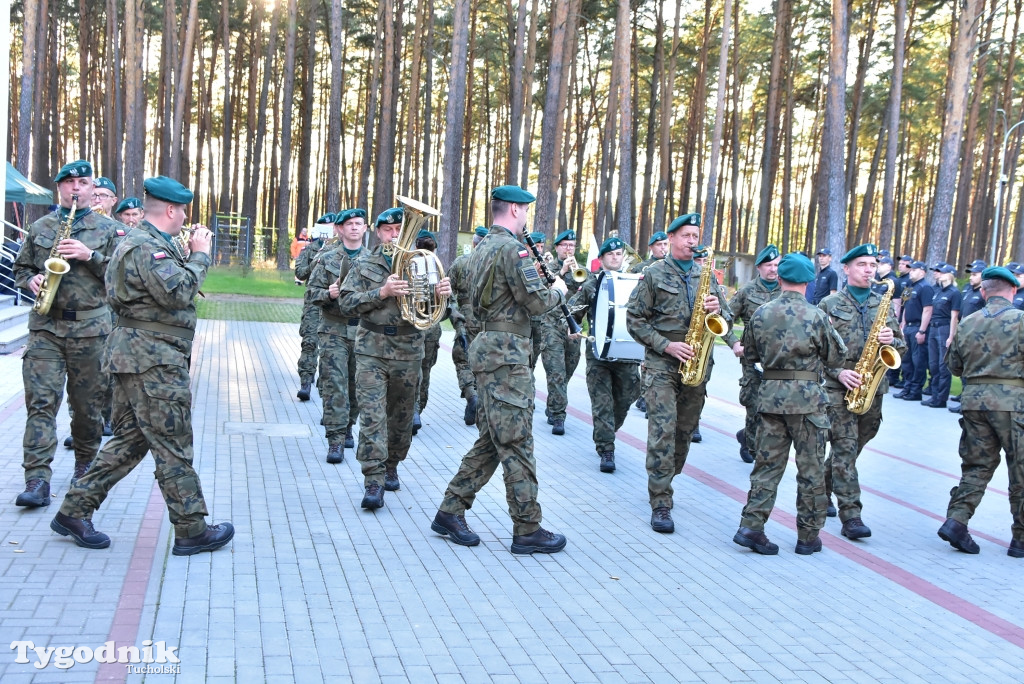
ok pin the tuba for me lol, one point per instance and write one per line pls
(704, 328)
(875, 360)
(56, 265)
(630, 258)
(422, 307)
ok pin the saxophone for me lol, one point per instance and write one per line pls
(875, 360)
(704, 328)
(56, 265)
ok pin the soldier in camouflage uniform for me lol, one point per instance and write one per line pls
(129, 211)
(68, 342)
(431, 343)
(310, 322)
(337, 334)
(613, 384)
(389, 351)
(658, 317)
(506, 290)
(560, 351)
(466, 327)
(792, 340)
(152, 289)
(852, 312)
(764, 288)
(658, 249)
(988, 354)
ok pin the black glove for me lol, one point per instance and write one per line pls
(463, 341)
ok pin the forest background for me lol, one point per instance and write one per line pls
(801, 122)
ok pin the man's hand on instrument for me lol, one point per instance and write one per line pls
(201, 239)
(36, 283)
(334, 291)
(560, 286)
(444, 287)
(394, 287)
(712, 305)
(679, 350)
(573, 337)
(885, 336)
(850, 379)
(73, 249)
(737, 349)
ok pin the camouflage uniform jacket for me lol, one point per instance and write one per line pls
(790, 333)
(458, 274)
(643, 265)
(853, 322)
(990, 344)
(81, 288)
(360, 296)
(659, 309)
(746, 301)
(305, 261)
(148, 280)
(506, 290)
(328, 266)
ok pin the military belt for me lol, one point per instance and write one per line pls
(153, 326)
(389, 330)
(1012, 382)
(339, 319)
(790, 375)
(65, 315)
(504, 326)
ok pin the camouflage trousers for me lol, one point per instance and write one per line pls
(775, 434)
(431, 343)
(505, 419)
(460, 357)
(537, 325)
(152, 413)
(48, 361)
(337, 385)
(985, 433)
(673, 411)
(849, 434)
(750, 382)
(613, 387)
(561, 356)
(308, 356)
(386, 392)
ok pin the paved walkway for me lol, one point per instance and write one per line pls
(313, 588)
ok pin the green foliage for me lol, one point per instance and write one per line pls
(260, 282)
(245, 310)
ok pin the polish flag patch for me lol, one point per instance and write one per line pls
(120, 233)
(523, 254)
(159, 255)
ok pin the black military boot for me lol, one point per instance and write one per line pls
(374, 497)
(540, 541)
(955, 532)
(695, 438)
(212, 539)
(1016, 549)
(350, 441)
(756, 541)
(806, 548)
(559, 427)
(854, 528)
(81, 531)
(641, 404)
(745, 454)
(108, 429)
(36, 494)
(607, 461)
(335, 454)
(831, 511)
(391, 483)
(303, 393)
(80, 469)
(416, 422)
(470, 415)
(69, 442)
(661, 520)
(455, 528)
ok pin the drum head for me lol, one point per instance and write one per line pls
(612, 342)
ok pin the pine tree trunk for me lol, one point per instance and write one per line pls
(182, 82)
(716, 136)
(517, 96)
(627, 181)
(135, 121)
(885, 240)
(28, 80)
(531, 62)
(384, 166)
(301, 213)
(454, 124)
(287, 100)
(547, 183)
(663, 198)
(831, 176)
(770, 157)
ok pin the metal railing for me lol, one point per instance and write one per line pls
(7, 257)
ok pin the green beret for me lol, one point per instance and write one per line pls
(796, 268)
(684, 220)
(658, 237)
(167, 189)
(538, 236)
(769, 253)
(75, 169)
(343, 216)
(565, 235)
(1001, 273)
(481, 231)
(105, 183)
(424, 233)
(512, 193)
(326, 218)
(128, 203)
(867, 249)
(609, 245)
(390, 216)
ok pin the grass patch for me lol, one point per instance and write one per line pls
(258, 283)
(268, 312)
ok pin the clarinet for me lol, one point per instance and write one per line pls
(574, 327)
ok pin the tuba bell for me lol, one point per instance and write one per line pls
(422, 307)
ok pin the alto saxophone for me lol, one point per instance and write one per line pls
(704, 328)
(56, 265)
(875, 360)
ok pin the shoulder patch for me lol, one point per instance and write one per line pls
(121, 233)
(159, 255)
(523, 253)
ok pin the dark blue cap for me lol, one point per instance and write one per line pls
(825, 251)
(919, 264)
(943, 267)
(1014, 268)
(976, 266)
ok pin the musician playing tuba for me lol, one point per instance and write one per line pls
(862, 318)
(659, 313)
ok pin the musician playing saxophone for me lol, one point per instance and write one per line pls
(67, 342)
(658, 317)
(853, 312)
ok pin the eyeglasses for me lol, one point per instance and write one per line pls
(99, 195)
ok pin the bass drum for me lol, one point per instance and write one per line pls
(610, 339)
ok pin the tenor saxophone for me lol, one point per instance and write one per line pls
(875, 360)
(704, 328)
(56, 265)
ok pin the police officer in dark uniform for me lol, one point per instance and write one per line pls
(1017, 270)
(945, 314)
(917, 313)
(904, 269)
(827, 281)
(885, 272)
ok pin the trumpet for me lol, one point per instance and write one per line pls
(579, 274)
